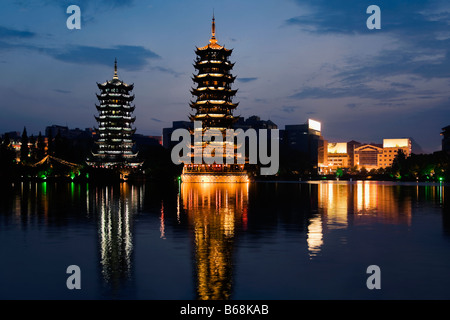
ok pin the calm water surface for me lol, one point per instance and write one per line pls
(225, 241)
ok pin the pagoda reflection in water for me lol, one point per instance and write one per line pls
(115, 206)
(214, 211)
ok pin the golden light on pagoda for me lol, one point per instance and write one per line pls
(214, 108)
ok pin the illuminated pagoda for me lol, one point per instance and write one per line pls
(214, 108)
(114, 143)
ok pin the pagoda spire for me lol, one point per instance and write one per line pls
(115, 70)
(213, 31)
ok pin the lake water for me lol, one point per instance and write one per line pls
(262, 241)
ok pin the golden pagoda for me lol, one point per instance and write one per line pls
(214, 108)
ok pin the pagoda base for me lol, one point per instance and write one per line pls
(215, 177)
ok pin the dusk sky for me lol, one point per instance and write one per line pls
(294, 60)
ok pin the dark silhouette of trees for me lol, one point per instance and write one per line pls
(7, 159)
(423, 167)
(40, 147)
(24, 147)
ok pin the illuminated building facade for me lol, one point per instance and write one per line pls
(391, 147)
(214, 108)
(338, 156)
(375, 156)
(115, 145)
(368, 156)
(346, 155)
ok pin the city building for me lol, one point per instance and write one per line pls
(254, 122)
(368, 156)
(351, 145)
(167, 132)
(213, 107)
(53, 130)
(346, 155)
(307, 139)
(114, 134)
(376, 156)
(446, 139)
(338, 156)
(64, 131)
(391, 147)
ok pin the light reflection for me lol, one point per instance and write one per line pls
(315, 236)
(162, 226)
(333, 201)
(363, 202)
(115, 207)
(358, 203)
(214, 211)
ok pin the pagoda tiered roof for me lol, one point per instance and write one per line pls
(115, 96)
(214, 109)
(213, 77)
(117, 107)
(210, 104)
(213, 94)
(203, 64)
(104, 118)
(115, 145)
(115, 84)
(213, 91)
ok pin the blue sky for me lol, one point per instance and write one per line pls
(295, 59)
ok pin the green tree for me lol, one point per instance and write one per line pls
(363, 171)
(399, 165)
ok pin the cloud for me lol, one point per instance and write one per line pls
(83, 4)
(402, 85)
(419, 30)
(260, 100)
(90, 9)
(288, 109)
(167, 70)
(129, 57)
(414, 47)
(432, 64)
(360, 91)
(245, 80)
(7, 33)
(349, 17)
(62, 91)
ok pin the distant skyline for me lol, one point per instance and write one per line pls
(295, 59)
